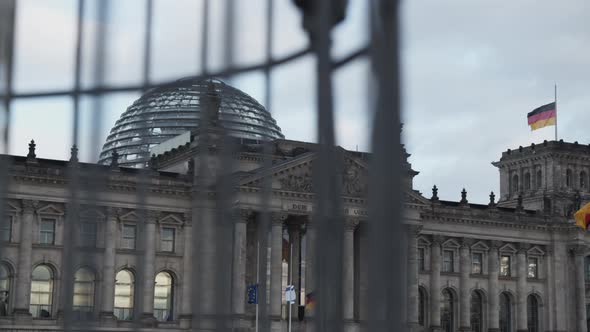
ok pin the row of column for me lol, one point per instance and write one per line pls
(276, 267)
(464, 287)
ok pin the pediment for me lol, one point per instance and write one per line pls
(92, 214)
(451, 243)
(171, 220)
(414, 197)
(130, 216)
(508, 248)
(423, 242)
(50, 209)
(12, 208)
(480, 246)
(536, 251)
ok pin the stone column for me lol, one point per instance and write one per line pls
(435, 292)
(412, 281)
(521, 290)
(348, 269)
(295, 265)
(310, 245)
(465, 294)
(239, 263)
(108, 280)
(276, 264)
(23, 276)
(561, 283)
(493, 270)
(581, 326)
(149, 262)
(187, 280)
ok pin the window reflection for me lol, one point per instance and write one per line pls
(533, 267)
(124, 283)
(4, 290)
(505, 266)
(163, 292)
(84, 293)
(41, 292)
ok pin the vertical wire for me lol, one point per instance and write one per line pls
(204, 37)
(6, 72)
(264, 217)
(385, 293)
(327, 176)
(69, 257)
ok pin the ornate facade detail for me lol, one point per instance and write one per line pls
(297, 183)
(29, 206)
(438, 239)
(495, 244)
(243, 215)
(467, 242)
(278, 218)
(353, 182)
(350, 224)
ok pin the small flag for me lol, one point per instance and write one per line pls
(290, 295)
(309, 300)
(542, 116)
(582, 216)
(253, 294)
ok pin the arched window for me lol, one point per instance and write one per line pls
(163, 292)
(587, 268)
(446, 312)
(422, 306)
(505, 313)
(539, 179)
(124, 283)
(41, 292)
(527, 181)
(84, 292)
(4, 290)
(476, 315)
(515, 183)
(532, 313)
(583, 180)
(568, 178)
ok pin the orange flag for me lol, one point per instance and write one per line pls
(582, 216)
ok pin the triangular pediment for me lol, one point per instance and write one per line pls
(480, 246)
(536, 251)
(423, 242)
(451, 243)
(171, 220)
(50, 209)
(92, 214)
(130, 216)
(12, 207)
(508, 248)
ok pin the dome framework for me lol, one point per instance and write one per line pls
(170, 110)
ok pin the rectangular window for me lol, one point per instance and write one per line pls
(533, 268)
(167, 239)
(7, 229)
(47, 231)
(476, 263)
(88, 234)
(448, 261)
(505, 266)
(128, 240)
(421, 256)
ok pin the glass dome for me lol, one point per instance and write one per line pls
(169, 110)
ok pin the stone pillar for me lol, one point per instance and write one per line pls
(310, 245)
(412, 281)
(204, 264)
(435, 292)
(149, 262)
(187, 280)
(521, 290)
(493, 270)
(23, 276)
(108, 282)
(581, 326)
(465, 294)
(276, 264)
(348, 269)
(239, 263)
(561, 283)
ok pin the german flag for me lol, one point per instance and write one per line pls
(543, 116)
(310, 300)
(582, 216)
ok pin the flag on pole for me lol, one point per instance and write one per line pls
(253, 294)
(309, 300)
(543, 116)
(582, 216)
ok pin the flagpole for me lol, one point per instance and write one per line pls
(257, 280)
(291, 280)
(556, 112)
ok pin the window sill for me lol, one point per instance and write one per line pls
(47, 246)
(168, 253)
(507, 278)
(478, 275)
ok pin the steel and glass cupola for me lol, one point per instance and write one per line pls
(170, 110)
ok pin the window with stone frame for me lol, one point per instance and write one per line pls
(167, 239)
(169, 230)
(477, 263)
(505, 268)
(7, 229)
(128, 236)
(527, 181)
(87, 232)
(47, 231)
(448, 261)
(587, 268)
(539, 182)
(421, 259)
(568, 178)
(532, 267)
(583, 180)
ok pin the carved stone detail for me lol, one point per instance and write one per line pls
(438, 239)
(29, 206)
(467, 242)
(352, 180)
(350, 224)
(243, 215)
(278, 218)
(495, 244)
(297, 183)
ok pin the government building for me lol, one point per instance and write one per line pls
(136, 229)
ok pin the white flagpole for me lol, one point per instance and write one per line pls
(291, 280)
(555, 111)
(257, 280)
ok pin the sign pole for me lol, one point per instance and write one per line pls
(291, 280)
(257, 280)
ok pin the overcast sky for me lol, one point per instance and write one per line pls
(471, 72)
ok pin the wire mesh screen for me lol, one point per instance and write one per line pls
(197, 213)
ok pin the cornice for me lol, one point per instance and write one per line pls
(504, 224)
